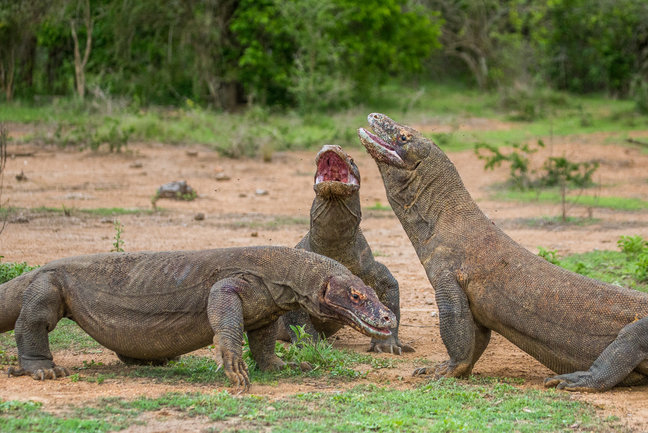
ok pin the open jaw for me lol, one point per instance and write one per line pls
(333, 167)
(379, 149)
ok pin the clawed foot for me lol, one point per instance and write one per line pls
(41, 373)
(236, 371)
(445, 369)
(581, 381)
(391, 345)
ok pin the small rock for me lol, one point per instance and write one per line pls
(242, 195)
(254, 234)
(222, 176)
(106, 220)
(21, 177)
(20, 219)
(199, 216)
(261, 192)
(178, 190)
(434, 314)
(192, 153)
(136, 165)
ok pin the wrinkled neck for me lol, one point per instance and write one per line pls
(429, 199)
(335, 220)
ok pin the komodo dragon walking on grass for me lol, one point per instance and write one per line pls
(335, 232)
(153, 306)
(595, 335)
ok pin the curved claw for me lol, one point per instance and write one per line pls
(13, 371)
(421, 371)
(236, 371)
(579, 381)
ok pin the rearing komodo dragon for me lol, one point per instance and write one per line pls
(153, 306)
(335, 232)
(594, 334)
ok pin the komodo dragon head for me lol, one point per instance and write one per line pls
(393, 144)
(337, 174)
(348, 300)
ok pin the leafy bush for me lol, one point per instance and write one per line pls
(517, 158)
(559, 170)
(93, 135)
(555, 171)
(9, 271)
(636, 250)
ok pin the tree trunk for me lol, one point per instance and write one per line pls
(79, 63)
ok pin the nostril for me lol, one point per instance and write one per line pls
(387, 319)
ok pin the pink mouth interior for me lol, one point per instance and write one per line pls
(331, 167)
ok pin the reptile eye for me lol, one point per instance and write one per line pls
(355, 296)
(403, 138)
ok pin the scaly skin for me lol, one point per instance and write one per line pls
(594, 334)
(335, 233)
(153, 306)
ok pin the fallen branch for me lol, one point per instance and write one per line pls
(640, 143)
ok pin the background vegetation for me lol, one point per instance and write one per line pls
(315, 54)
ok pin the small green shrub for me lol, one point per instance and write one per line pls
(517, 158)
(118, 242)
(9, 271)
(92, 134)
(549, 255)
(559, 171)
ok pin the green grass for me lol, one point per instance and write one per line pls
(440, 406)
(545, 221)
(608, 266)
(66, 336)
(628, 267)
(379, 207)
(101, 212)
(268, 222)
(553, 196)
(262, 131)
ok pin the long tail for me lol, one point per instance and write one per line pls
(11, 296)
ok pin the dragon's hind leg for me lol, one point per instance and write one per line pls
(42, 308)
(614, 366)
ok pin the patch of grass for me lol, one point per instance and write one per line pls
(259, 130)
(548, 221)
(553, 196)
(101, 211)
(17, 416)
(627, 268)
(608, 266)
(379, 207)
(67, 336)
(272, 222)
(440, 406)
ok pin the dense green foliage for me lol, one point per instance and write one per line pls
(9, 271)
(315, 54)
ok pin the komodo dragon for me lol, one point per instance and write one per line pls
(335, 232)
(595, 335)
(153, 306)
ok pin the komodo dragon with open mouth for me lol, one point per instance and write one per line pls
(335, 232)
(153, 306)
(595, 335)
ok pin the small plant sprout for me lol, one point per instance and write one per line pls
(118, 242)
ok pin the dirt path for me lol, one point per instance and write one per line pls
(237, 213)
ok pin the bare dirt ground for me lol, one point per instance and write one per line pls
(237, 213)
